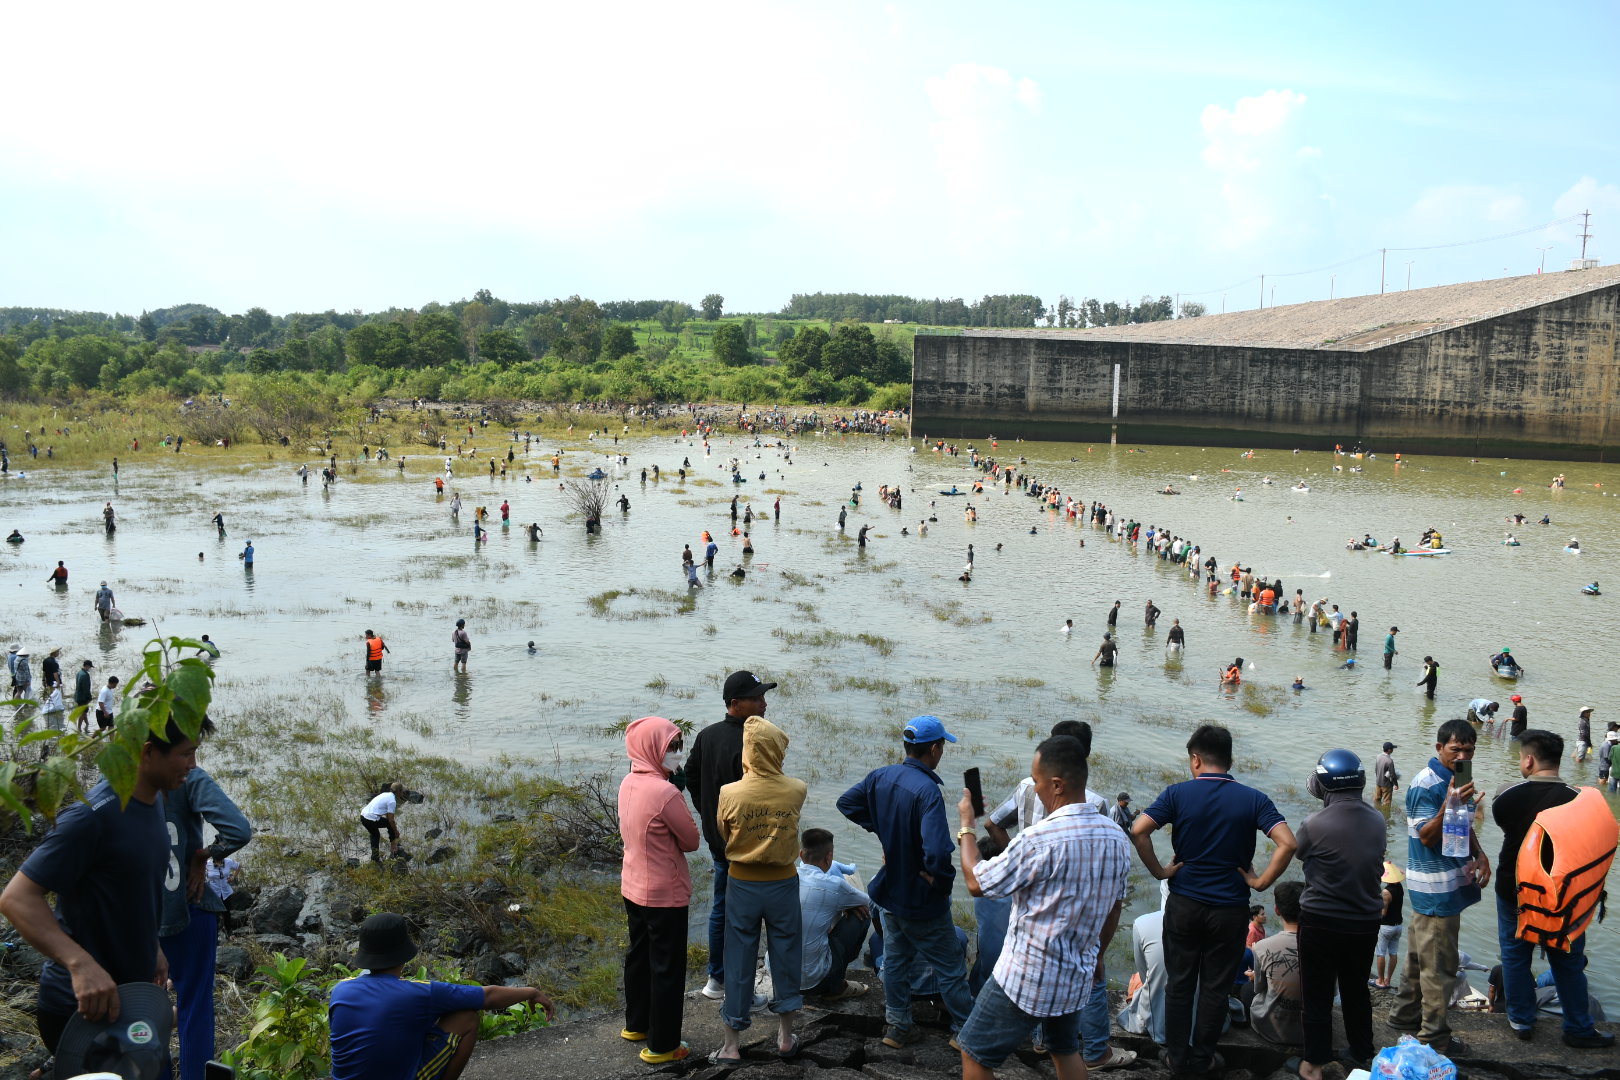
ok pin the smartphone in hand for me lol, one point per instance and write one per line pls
(970, 780)
(1462, 773)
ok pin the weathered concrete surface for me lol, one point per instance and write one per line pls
(1539, 382)
(845, 1045)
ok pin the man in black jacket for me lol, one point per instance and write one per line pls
(715, 761)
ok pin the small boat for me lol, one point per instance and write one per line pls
(1573, 551)
(1591, 590)
(953, 491)
(1300, 487)
(596, 474)
(1425, 552)
(1509, 671)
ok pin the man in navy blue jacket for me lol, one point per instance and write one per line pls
(903, 806)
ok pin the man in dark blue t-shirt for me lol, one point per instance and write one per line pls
(106, 864)
(1205, 918)
(388, 1028)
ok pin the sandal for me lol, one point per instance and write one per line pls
(680, 1053)
(633, 1036)
(792, 1051)
(716, 1058)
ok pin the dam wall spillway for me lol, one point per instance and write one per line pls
(1537, 381)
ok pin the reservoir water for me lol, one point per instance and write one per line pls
(859, 639)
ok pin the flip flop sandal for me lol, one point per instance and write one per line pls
(716, 1058)
(792, 1051)
(680, 1053)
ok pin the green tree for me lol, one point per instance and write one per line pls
(436, 339)
(618, 340)
(256, 326)
(148, 326)
(475, 320)
(11, 376)
(730, 345)
(802, 352)
(1192, 309)
(851, 351)
(713, 305)
(502, 347)
(672, 316)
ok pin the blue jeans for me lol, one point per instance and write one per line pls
(1095, 1026)
(1519, 986)
(776, 904)
(717, 924)
(191, 965)
(932, 942)
(997, 1026)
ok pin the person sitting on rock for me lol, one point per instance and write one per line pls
(385, 1027)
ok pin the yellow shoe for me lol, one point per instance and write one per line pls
(633, 1036)
(680, 1053)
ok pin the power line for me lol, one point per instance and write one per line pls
(1376, 251)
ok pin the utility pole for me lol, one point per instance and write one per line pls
(1383, 257)
(1586, 231)
(1543, 266)
(1409, 274)
(1331, 279)
(1262, 291)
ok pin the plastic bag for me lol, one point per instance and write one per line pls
(1409, 1059)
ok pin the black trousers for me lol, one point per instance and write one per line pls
(845, 940)
(655, 974)
(1336, 954)
(1203, 949)
(375, 828)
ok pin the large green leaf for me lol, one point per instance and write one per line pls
(11, 796)
(119, 766)
(57, 780)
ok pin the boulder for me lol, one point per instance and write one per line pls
(440, 854)
(233, 960)
(278, 909)
(276, 942)
(834, 1052)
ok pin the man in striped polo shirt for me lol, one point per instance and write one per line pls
(1065, 875)
(1440, 887)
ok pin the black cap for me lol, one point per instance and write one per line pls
(385, 940)
(1388, 747)
(743, 684)
(134, 1045)
(1123, 796)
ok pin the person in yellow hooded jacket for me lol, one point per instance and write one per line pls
(758, 819)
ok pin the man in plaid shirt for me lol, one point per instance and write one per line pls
(1065, 876)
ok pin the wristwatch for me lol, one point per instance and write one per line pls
(966, 831)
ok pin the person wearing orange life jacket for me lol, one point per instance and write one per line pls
(374, 651)
(1582, 831)
(1233, 676)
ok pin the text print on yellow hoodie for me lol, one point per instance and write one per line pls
(758, 816)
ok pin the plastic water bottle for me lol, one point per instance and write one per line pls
(1454, 841)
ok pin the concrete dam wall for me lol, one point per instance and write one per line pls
(1539, 381)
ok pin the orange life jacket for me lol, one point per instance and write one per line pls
(374, 647)
(1233, 675)
(1562, 865)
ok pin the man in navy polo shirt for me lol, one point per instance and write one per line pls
(1207, 913)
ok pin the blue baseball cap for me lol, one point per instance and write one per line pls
(926, 729)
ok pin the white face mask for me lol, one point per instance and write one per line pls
(674, 760)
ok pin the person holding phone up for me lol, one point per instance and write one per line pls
(1440, 887)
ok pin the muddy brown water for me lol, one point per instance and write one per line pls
(860, 639)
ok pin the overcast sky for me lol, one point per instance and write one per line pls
(305, 156)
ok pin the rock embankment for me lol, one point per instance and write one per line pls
(845, 1044)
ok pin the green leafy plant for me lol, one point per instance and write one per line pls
(172, 688)
(289, 1036)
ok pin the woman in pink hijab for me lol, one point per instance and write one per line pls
(658, 831)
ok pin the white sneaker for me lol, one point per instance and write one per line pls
(715, 990)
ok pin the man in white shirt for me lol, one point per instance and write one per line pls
(378, 813)
(1066, 877)
(107, 703)
(836, 919)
